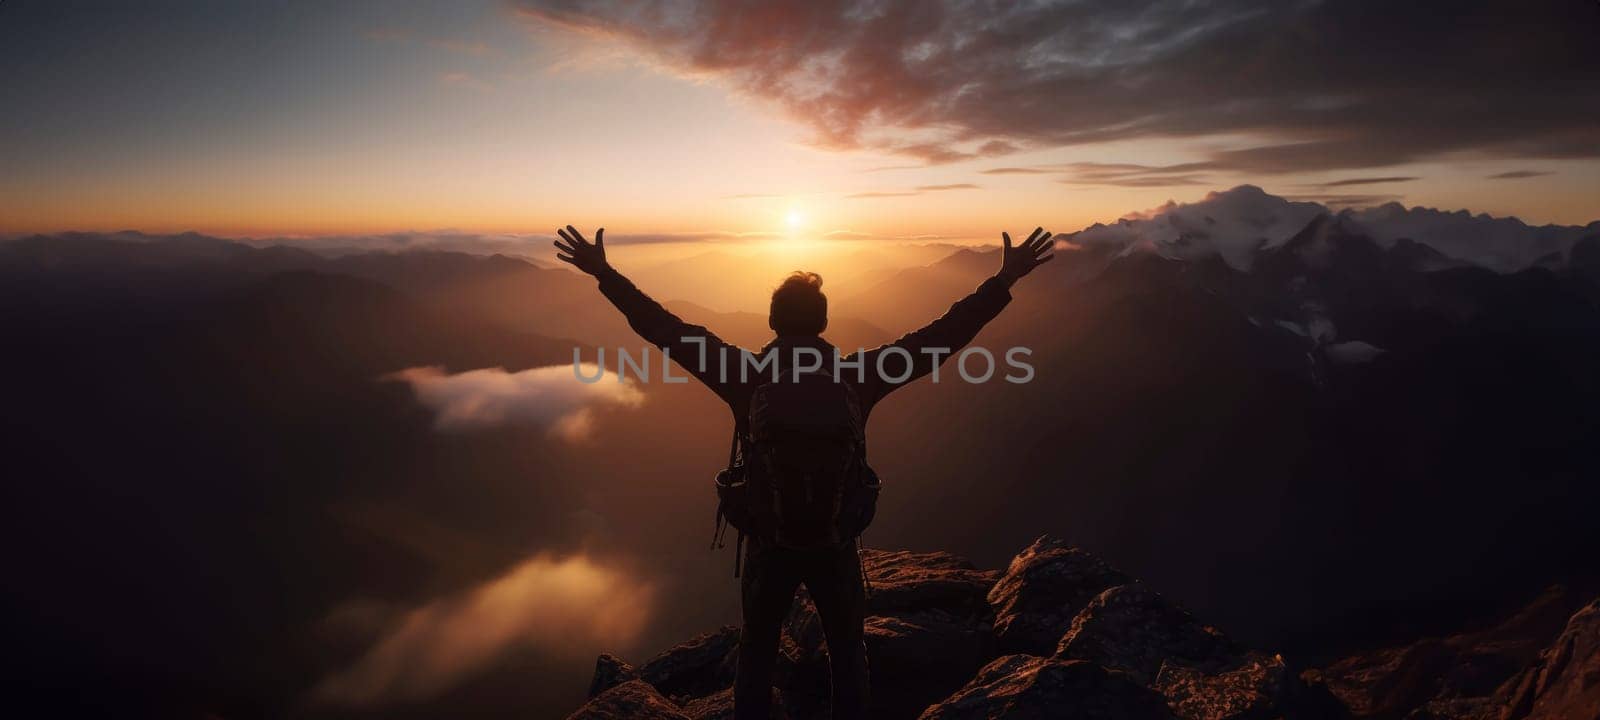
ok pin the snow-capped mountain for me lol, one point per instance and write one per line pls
(1501, 244)
(1234, 224)
(1239, 224)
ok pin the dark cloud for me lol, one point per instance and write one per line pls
(1517, 175)
(1140, 181)
(920, 189)
(1346, 201)
(1017, 171)
(1322, 85)
(1369, 181)
(1137, 176)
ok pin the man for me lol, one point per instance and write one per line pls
(799, 314)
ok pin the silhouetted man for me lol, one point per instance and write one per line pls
(774, 569)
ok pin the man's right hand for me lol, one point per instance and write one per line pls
(1020, 260)
(582, 254)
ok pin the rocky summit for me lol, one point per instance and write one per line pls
(1062, 634)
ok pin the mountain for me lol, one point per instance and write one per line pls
(1499, 244)
(1528, 664)
(202, 455)
(1240, 223)
(1346, 444)
(1060, 633)
(1336, 407)
(1233, 225)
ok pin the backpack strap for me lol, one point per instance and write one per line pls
(719, 528)
(736, 448)
(735, 454)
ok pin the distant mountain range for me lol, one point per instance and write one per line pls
(1238, 224)
(1324, 431)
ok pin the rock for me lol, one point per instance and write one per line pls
(1460, 676)
(1457, 709)
(1203, 674)
(634, 699)
(918, 658)
(1025, 687)
(719, 706)
(1389, 682)
(1565, 681)
(1042, 591)
(928, 629)
(1251, 690)
(1134, 629)
(609, 672)
(695, 668)
(904, 580)
(1126, 653)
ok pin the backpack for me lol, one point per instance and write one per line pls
(797, 473)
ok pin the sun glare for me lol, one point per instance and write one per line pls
(794, 219)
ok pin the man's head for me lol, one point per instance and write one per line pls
(798, 306)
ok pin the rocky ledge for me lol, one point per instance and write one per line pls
(1061, 634)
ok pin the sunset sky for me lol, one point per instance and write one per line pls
(790, 119)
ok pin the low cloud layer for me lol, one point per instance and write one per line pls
(1313, 85)
(568, 606)
(549, 397)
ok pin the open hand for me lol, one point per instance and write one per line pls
(1022, 259)
(582, 254)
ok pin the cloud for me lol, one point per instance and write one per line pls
(432, 240)
(1345, 201)
(852, 235)
(705, 236)
(1136, 175)
(1517, 175)
(1018, 171)
(920, 189)
(1368, 181)
(1353, 352)
(1289, 86)
(876, 195)
(464, 80)
(1139, 181)
(517, 245)
(550, 397)
(387, 34)
(1235, 225)
(477, 49)
(570, 606)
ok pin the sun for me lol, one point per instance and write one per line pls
(794, 219)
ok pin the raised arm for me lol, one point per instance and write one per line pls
(693, 347)
(927, 348)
